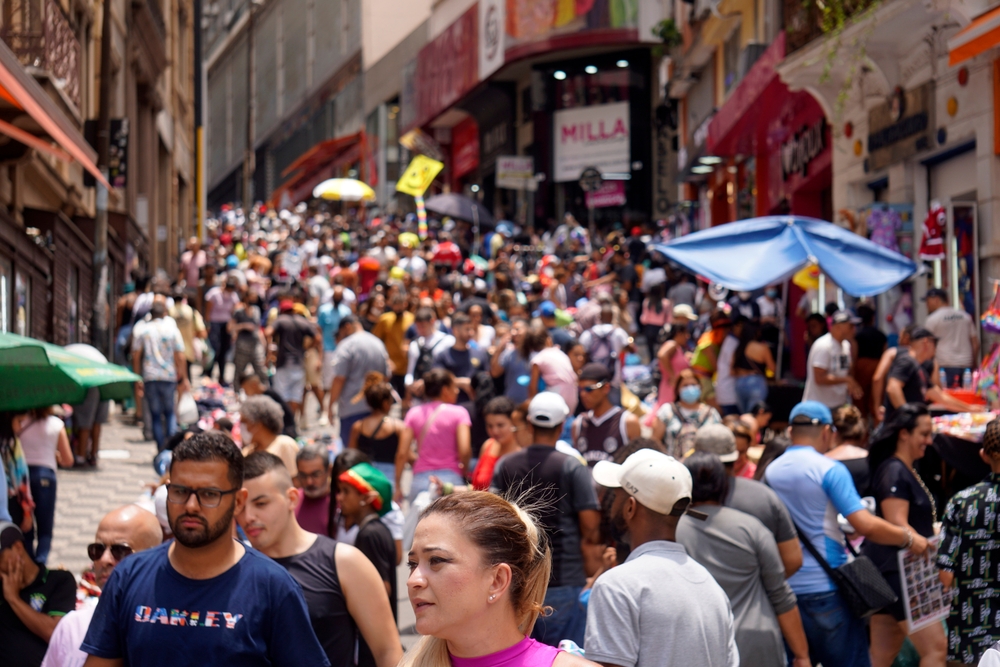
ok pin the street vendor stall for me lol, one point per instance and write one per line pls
(957, 464)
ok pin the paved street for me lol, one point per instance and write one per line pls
(85, 496)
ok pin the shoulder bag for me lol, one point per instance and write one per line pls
(859, 582)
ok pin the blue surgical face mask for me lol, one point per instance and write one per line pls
(691, 393)
(771, 293)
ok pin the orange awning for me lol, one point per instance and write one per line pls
(20, 88)
(319, 163)
(982, 34)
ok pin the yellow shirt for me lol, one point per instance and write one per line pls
(391, 330)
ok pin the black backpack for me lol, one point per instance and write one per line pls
(425, 361)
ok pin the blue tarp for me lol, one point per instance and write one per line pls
(752, 254)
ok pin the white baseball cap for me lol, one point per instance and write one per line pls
(547, 409)
(655, 480)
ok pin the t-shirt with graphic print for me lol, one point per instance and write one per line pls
(53, 592)
(814, 488)
(253, 614)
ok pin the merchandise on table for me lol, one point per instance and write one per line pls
(965, 425)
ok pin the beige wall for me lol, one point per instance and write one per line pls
(386, 23)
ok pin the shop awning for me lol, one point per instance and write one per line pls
(19, 90)
(320, 163)
(982, 34)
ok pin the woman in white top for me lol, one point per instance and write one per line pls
(45, 443)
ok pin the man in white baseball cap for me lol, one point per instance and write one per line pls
(633, 618)
(560, 487)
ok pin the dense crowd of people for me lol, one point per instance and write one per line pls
(566, 440)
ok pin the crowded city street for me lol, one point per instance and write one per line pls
(499, 333)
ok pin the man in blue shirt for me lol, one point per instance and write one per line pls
(203, 597)
(815, 489)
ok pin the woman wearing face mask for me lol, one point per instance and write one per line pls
(676, 423)
(261, 422)
(902, 498)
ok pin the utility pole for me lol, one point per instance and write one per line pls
(199, 126)
(249, 157)
(99, 317)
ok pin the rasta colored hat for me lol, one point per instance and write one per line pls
(366, 478)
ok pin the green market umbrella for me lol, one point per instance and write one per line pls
(34, 374)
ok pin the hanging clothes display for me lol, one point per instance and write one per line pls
(932, 241)
(884, 223)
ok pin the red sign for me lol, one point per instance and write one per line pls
(464, 147)
(611, 193)
(448, 67)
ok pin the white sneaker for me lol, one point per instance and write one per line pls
(324, 420)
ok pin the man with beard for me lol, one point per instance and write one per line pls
(341, 586)
(246, 608)
(633, 620)
(121, 533)
(313, 479)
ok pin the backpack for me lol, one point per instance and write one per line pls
(602, 351)
(425, 361)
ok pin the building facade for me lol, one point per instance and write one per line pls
(50, 70)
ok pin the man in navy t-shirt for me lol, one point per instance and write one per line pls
(203, 597)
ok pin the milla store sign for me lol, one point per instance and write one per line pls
(807, 145)
(596, 136)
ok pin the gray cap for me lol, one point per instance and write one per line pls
(716, 439)
(9, 534)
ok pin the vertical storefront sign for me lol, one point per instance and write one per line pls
(491, 37)
(464, 148)
(448, 67)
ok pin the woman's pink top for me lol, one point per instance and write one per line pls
(665, 394)
(557, 371)
(438, 450)
(525, 653)
(650, 317)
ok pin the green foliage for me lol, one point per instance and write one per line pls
(668, 33)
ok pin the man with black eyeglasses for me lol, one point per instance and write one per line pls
(120, 533)
(203, 597)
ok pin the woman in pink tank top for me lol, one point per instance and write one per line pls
(479, 570)
(672, 361)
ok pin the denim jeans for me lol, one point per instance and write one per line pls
(160, 395)
(568, 619)
(835, 635)
(422, 480)
(750, 390)
(43, 491)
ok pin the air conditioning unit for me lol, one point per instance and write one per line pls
(748, 56)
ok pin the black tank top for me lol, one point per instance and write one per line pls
(316, 571)
(743, 362)
(380, 450)
(599, 441)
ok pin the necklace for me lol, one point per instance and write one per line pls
(929, 496)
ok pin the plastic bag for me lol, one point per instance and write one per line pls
(187, 409)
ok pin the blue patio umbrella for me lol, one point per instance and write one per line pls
(751, 254)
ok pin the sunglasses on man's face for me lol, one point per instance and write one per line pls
(118, 551)
(593, 387)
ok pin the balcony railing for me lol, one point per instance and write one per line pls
(39, 34)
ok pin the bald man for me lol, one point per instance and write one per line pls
(121, 533)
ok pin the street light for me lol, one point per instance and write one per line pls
(622, 63)
(590, 69)
(559, 75)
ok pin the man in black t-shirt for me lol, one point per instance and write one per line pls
(34, 601)
(909, 381)
(341, 587)
(292, 334)
(561, 488)
(364, 496)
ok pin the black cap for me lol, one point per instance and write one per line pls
(596, 372)
(936, 292)
(920, 333)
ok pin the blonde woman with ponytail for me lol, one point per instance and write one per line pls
(385, 440)
(479, 568)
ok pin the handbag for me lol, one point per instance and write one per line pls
(859, 582)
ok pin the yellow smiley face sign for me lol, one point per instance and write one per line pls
(419, 176)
